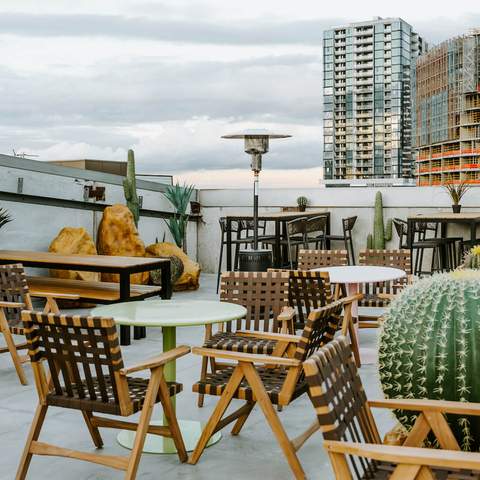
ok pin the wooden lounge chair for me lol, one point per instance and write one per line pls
(379, 295)
(309, 259)
(351, 436)
(278, 382)
(86, 373)
(15, 296)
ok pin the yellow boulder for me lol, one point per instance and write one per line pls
(118, 235)
(73, 241)
(190, 278)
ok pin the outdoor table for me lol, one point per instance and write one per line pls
(169, 315)
(280, 219)
(123, 266)
(472, 219)
(353, 276)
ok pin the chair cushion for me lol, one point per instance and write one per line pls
(272, 379)
(238, 343)
(137, 388)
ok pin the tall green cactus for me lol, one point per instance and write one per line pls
(381, 234)
(130, 188)
(429, 347)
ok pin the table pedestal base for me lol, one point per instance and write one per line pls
(191, 431)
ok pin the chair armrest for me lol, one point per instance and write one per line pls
(450, 459)
(246, 357)
(352, 298)
(443, 406)
(64, 296)
(286, 314)
(11, 305)
(157, 361)
(281, 337)
(386, 296)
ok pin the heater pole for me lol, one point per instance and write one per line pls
(255, 210)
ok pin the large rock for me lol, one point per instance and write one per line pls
(76, 241)
(118, 235)
(190, 278)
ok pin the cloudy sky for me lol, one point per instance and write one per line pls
(90, 79)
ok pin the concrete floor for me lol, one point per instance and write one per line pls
(253, 454)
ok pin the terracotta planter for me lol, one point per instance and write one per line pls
(195, 208)
(302, 208)
(456, 208)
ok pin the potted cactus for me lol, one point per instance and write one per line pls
(429, 344)
(302, 203)
(456, 192)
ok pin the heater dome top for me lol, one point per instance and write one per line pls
(256, 133)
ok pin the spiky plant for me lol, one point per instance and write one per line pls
(456, 191)
(429, 346)
(472, 259)
(4, 217)
(302, 201)
(381, 234)
(178, 196)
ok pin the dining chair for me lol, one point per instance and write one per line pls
(14, 297)
(308, 259)
(278, 382)
(77, 364)
(351, 436)
(347, 237)
(315, 231)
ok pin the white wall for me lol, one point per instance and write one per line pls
(342, 202)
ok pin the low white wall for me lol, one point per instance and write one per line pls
(341, 202)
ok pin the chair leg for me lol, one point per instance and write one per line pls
(33, 435)
(272, 418)
(241, 420)
(203, 371)
(172, 420)
(219, 273)
(94, 432)
(17, 362)
(143, 424)
(222, 405)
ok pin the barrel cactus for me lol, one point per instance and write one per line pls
(430, 345)
(130, 188)
(176, 271)
(472, 259)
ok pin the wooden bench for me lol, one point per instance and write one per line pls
(95, 292)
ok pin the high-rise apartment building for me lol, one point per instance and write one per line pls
(447, 113)
(367, 99)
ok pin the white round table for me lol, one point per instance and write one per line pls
(170, 314)
(354, 275)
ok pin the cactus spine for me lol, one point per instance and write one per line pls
(130, 188)
(381, 234)
(429, 346)
(472, 259)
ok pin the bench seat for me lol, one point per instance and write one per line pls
(97, 292)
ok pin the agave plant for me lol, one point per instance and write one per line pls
(178, 196)
(456, 191)
(4, 217)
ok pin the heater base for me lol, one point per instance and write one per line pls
(255, 260)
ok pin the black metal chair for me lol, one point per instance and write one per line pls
(347, 226)
(237, 241)
(315, 231)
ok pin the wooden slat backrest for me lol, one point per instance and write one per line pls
(309, 259)
(77, 350)
(339, 400)
(263, 294)
(14, 288)
(400, 259)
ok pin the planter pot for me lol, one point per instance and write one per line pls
(456, 208)
(302, 208)
(195, 208)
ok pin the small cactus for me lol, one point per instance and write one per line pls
(429, 344)
(302, 202)
(472, 259)
(130, 188)
(381, 234)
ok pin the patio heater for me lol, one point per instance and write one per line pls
(256, 144)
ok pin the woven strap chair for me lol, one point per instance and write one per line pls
(15, 296)
(351, 436)
(309, 259)
(86, 373)
(380, 294)
(278, 382)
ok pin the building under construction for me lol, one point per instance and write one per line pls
(447, 112)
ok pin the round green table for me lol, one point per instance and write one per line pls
(170, 314)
